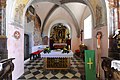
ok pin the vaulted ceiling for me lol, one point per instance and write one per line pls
(46, 9)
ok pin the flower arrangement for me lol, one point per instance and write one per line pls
(47, 50)
(65, 50)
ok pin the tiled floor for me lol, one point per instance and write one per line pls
(34, 70)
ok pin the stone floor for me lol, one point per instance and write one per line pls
(34, 70)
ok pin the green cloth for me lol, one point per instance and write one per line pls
(90, 68)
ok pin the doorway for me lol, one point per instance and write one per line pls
(26, 46)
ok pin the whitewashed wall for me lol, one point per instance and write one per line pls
(87, 42)
(16, 50)
(29, 29)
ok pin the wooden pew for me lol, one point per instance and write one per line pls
(7, 67)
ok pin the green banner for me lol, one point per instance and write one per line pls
(90, 68)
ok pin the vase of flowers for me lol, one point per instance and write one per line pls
(65, 50)
(47, 50)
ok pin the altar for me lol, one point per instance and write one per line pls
(56, 59)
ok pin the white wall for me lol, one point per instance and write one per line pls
(15, 46)
(16, 50)
(29, 29)
(87, 42)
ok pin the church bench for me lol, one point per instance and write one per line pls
(35, 54)
(6, 68)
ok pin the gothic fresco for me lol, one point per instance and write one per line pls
(98, 16)
(37, 37)
(32, 16)
(99, 11)
(37, 32)
(18, 11)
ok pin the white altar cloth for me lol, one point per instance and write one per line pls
(56, 54)
(115, 64)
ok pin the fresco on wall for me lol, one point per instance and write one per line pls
(32, 16)
(18, 11)
(98, 16)
(37, 38)
(37, 31)
(99, 9)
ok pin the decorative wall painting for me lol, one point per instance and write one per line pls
(18, 11)
(98, 16)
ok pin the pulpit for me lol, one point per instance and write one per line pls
(56, 59)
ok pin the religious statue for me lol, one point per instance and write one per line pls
(68, 35)
(60, 33)
(99, 35)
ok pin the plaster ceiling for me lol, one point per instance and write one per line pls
(42, 9)
(74, 9)
(77, 9)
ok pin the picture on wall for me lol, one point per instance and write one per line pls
(98, 16)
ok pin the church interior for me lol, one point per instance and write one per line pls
(60, 39)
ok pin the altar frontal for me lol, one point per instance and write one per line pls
(56, 59)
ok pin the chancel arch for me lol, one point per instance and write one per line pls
(66, 24)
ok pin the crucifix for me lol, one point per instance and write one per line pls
(90, 63)
(81, 33)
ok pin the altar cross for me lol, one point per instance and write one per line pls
(90, 63)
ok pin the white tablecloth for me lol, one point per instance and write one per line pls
(115, 64)
(56, 54)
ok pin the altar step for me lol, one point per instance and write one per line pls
(34, 70)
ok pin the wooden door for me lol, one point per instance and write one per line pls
(26, 46)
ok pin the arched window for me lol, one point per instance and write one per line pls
(88, 27)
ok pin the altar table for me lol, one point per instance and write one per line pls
(56, 59)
